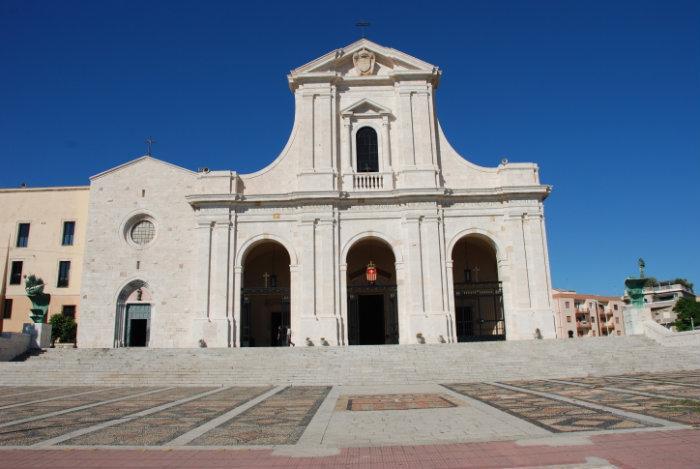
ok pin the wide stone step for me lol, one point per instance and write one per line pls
(350, 365)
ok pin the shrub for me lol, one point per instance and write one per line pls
(63, 328)
(57, 322)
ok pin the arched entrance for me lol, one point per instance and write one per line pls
(265, 296)
(372, 299)
(133, 318)
(478, 295)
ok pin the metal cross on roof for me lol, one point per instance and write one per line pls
(363, 25)
(149, 142)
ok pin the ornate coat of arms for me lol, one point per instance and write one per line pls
(364, 62)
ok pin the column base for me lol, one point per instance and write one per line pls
(211, 332)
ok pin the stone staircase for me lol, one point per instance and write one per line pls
(385, 364)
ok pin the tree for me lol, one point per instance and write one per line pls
(685, 309)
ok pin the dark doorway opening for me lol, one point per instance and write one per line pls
(370, 312)
(280, 325)
(265, 296)
(138, 317)
(138, 331)
(478, 292)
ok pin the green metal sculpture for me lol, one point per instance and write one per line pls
(34, 286)
(635, 286)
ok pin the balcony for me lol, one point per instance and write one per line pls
(583, 325)
(368, 181)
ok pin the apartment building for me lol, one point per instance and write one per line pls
(661, 297)
(581, 315)
(42, 232)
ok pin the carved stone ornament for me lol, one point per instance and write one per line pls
(364, 62)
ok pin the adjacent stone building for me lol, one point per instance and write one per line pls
(42, 232)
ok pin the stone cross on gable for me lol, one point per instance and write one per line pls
(149, 143)
(363, 25)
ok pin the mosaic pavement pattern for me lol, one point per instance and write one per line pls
(383, 402)
(278, 420)
(685, 411)
(152, 416)
(551, 414)
(38, 430)
(166, 425)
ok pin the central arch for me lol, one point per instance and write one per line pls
(372, 301)
(265, 295)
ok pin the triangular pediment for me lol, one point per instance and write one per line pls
(386, 60)
(365, 107)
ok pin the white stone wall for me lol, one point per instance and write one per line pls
(312, 200)
(166, 265)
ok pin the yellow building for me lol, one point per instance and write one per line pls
(42, 232)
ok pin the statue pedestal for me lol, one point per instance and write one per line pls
(634, 318)
(40, 334)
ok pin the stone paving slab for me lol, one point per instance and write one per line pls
(279, 420)
(661, 449)
(385, 402)
(33, 432)
(67, 402)
(162, 427)
(683, 411)
(554, 415)
(469, 420)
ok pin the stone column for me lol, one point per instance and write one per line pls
(386, 148)
(236, 325)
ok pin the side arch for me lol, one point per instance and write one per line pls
(253, 241)
(122, 295)
(491, 238)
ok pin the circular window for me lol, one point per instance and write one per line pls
(143, 232)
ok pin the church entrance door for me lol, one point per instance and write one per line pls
(138, 318)
(265, 296)
(372, 300)
(478, 293)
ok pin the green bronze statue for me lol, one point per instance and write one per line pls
(635, 286)
(34, 286)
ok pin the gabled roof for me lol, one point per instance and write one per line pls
(366, 103)
(139, 160)
(325, 61)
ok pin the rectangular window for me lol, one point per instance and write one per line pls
(617, 320)
(63, 274)
(568, 319)
(68, 311)
(567, 305)
(16, 273)
(592, 318)
(23, 235)
(7, 309)
(68, 232)
(615, 307)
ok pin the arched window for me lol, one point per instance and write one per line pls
(367, 153)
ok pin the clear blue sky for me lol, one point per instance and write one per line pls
(604, 96)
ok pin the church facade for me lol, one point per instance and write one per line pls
(368, 228)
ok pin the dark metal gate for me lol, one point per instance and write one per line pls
(479, 312)
(247, 294)
(391, 319)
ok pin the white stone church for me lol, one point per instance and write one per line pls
(368, 228)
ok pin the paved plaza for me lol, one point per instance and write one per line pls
(636, 420)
